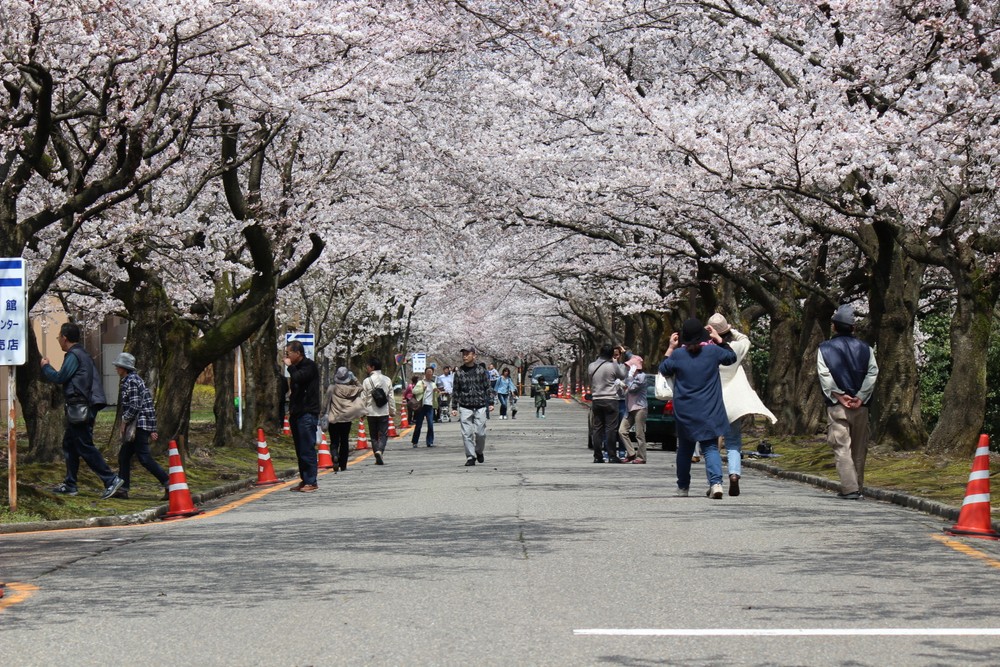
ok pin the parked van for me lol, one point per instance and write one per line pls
(551, 376)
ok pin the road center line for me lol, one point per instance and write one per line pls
(787, 632)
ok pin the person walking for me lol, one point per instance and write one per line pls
(605, 374)
(699, 413)
(472, 400)
(344, 403)
(540, 389)
(847, 374)
(637, 406)
(138, 417)
(426, 393)
(444, 383)
(505, 390)
(411, 404)
(84, 396)
(380, 405)
(740, 398)
(303, 412)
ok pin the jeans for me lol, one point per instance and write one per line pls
(713, 461)
(473, 430)
(734, 447)
(78, 443)
(504, 398)
(378, 432)
(425, 412)
(340, 442)
(139, 448)
(605, 427)
(304, 437)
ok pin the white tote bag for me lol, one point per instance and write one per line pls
(664, 387)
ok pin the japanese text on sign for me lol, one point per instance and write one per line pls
(13, 312)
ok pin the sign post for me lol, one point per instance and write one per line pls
(419, 362)
(13, 348)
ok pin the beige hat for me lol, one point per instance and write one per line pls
(719, 323)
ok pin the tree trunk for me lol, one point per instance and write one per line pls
(226, 429)
(963, 405)
(894, 298)
(265, 383)
(42, 408)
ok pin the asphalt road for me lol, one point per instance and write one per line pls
(537, 557)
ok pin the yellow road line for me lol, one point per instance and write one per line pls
(21, 592)
(967, 550)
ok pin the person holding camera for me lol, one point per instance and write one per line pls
(699, 412)
(138, 426)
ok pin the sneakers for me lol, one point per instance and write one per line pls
(414, 445)
(471, 461)
(480, 457)
(714, 492)
(378, 459)
(850, 496)
(734, 485)
(681, 493)
(64, 490)
(638, 460)
(309, 488)
(113, 488)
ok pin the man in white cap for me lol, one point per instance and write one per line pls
(847, 373)
(138, 425)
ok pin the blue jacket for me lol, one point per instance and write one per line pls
(699, 412)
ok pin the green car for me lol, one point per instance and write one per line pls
(659, 417)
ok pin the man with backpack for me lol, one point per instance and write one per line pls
(84, 394)
(380, 404)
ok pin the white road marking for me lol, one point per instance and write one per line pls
(789, 632)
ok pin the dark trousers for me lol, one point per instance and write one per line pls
(139, 448)
(78, 443)
(340, 440)
(425, 412)
(378, 431)
(605, 427)
(304, 436)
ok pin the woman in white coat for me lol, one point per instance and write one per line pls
(739, 397)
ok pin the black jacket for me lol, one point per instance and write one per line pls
(305, 388)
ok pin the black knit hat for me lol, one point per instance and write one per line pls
(693, 331)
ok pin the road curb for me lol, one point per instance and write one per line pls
(885, 495)
(145, 516)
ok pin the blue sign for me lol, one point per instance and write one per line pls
(13, 312)
(308, 341)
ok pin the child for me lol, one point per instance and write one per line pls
(540, 390)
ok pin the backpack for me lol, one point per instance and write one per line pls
(378, 397)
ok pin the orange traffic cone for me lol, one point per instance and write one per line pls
(974, 519)
(323, 459)
(392, 428)
(265, 469)
(362, 438)
(180, 497)
(403, 421)
(286, 429)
